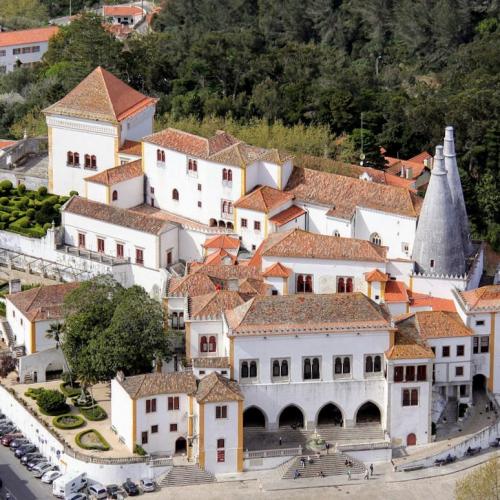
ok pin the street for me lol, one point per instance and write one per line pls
(18, 481)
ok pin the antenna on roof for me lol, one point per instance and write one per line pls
(362, 154)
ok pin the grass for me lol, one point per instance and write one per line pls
(91, 439)
(94, 413)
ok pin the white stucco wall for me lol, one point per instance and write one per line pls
(10, 59)
(130, 193)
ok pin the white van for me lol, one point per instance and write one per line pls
(69, 483)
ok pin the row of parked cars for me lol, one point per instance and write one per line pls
(68, 486)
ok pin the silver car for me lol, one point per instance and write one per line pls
(42, 468)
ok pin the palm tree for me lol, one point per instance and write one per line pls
(55, 332)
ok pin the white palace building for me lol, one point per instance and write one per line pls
(306, 300)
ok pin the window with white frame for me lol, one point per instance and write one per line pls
(248, 370)
(280, 369)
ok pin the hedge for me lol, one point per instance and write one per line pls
(70, 392)
(34, 232)
(59, 422)
(104, 444)
(94, 413)
(34, 393)
(52, 402)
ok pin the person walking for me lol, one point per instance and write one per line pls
(371, 470)
(367, 474)
(281, 441)
(349, 474)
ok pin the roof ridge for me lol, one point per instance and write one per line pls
(140, 385)
(35, 296)
(110, 102)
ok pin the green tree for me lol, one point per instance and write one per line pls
(18, 14)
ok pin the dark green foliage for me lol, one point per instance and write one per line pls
(69, 390)
(42, 191)
(52, 402)
(30, 213)
(73, 193)
(139, 450)
(5, 186)
(21, 189)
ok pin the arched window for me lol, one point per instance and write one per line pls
(203, 344)
(300, 283)
(349, 287)
(76, 157)
(276, 368)
(115, 195)
(341, 285)
(309, 284)
(181, 321)
(253, 369)
(338, 366)
(315, 368)
(229, 175)
(195, 166)
(87, 161)
(70, 159)
(347, 366)
(93, 161)
(224, 174)
(212, 344)
(369, 364)
(160, 155)
(175, 321)
(229, 207)
(224, 207)
(376, 239)
(284, 368)
(307, 369)
(190, 164)
(336, 233)
(244, 369)
(377, 365)
(175, 195)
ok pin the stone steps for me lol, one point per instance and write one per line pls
(331, 465)
(186, 475)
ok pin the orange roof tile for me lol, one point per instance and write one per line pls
(485, 297)
(376, 275)
(395, 291)
(435, 303)
(101, 96)
(277, 270)
(217, 258)
(263, 199)
(440, 324)
(118, 174)
(302, 244)
(6, 143)
(407, 342)
(222, 241)
(122, 10)
(287, 215)
(214, 304)
(133, 148)
(215, 388)
(25, 37)
(193, 284)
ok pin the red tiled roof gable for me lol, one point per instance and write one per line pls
(27, 37)
(117, 174)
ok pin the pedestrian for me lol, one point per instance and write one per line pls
(327, 446)
(346, 462)
(281, 441)
(367, 475)
(371, 470)
(349, 474)
(321, 473)
(296, 474)
(303, 462)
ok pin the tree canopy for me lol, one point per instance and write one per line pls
(110, 328)
(481, 484)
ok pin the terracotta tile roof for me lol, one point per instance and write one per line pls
(395, 291)
(230, 272)
(307, 313)
(214, 304)
(4, 143)
(153, 384)
(118, 174)
(215, 388)
(416, 163)
(193, 284)
(287, 215)
(435, 303)
(376, 275)
(219, 257)
(207, 362)
(302, 244)
(485, 297)
(263, 199)
(408, 344)
(440, 324)
(44, 302)
(277, 270)
(133, 148)
(222, 241)
(101, 96)
(114, 215)
(343, 194)
(122, 10)
(241, 155)
(25, 37)
(252, 286)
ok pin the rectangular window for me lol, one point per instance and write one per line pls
(36, 48)
(199, 187)
(173, 427)
(199, 204)
(3, 53)
(446, 351)
(256, 225)
(26, 50)
(422, 373)
(150, 405)
(480, 322)
(221, 411)
(139, 256)
(100, 245)
(221, 456)
(173, 403)
(154, 429)
(144, 437)
(410, 373)
(459, 371)
(81, 240)
(398, 373)
(485, 344)
(220, 443)
(244, 223)
(410, 397)
(119, 250)
(151, 189)
(16, 51)
(475, 345)
(460, 350)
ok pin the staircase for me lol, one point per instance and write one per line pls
(186, 475)
(7, 333)
(331, 465)
(450, 413)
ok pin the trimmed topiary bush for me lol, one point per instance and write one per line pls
(73, 193)
(5, 185)
(42, 191)
(30, 213)
(52, 402)
(4, 200)
(21, 189)
(70, 391)
(94, 413)
(91, 439)
(68, 421)
(34, 393)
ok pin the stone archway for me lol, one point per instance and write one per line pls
(291, 416)
(254, 417)
(368, 413)
(479, 383)
(330, 414)
(180, 445)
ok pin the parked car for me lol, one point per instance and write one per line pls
(7, 429)
(77, 496)
(8, 438)
(51, 476)
(40, 469)
(24, 449)
(34, 462)
(16, 443)
(30, 456)
(113, 490)
(131, 488)
(147, 485)
(98, 491)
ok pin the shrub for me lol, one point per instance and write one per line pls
(4, 217)
(34, 393)
(15, 213)
(21, 189)
(66, 377)
(33, 232)
(22, 203)
(91, 439)
(42, 191)
(68, 421)
(139, 450)
(7, 365)
(57, 206)
(73, 193)
(70, 391)
(94, 413)
(47, 226)
(4, 200)
(5, 185)
(51, 200)
(31, 213)
(52, 402)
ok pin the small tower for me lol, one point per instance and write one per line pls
(450, 164)
(438, 247)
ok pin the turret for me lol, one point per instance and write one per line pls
(450, 164)
(438, 247)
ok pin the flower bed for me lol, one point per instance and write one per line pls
(91, 439)
(68, 421)
(94, 413)
(70, 391)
